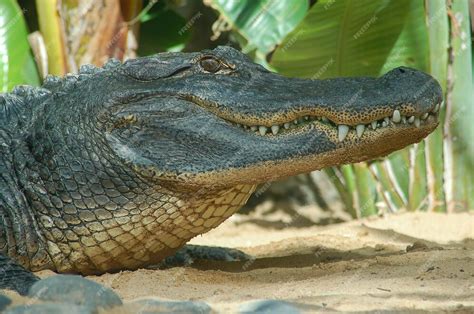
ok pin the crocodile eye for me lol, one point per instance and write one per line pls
(210, 65)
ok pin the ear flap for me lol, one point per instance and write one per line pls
(152, 68)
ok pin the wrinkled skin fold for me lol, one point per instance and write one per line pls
(118, 167)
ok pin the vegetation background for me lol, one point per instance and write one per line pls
(312, 39)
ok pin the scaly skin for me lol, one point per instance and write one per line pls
(117, 168)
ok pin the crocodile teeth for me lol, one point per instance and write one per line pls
(404, 120)
(374, 124)
(424, 116)
(384, 124)
(396, 116)
(275, 129)
(306, 117)
(360, 128)
(386, 120)
(342, 131)
(411, 119)
(295, 121)
(286, 125)
(436, 108)
(262, 130)
(417, 122)
(254, 128)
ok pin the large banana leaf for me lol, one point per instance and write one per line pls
(364, 37)
(352, 38)
(262, 23)
(17, 65)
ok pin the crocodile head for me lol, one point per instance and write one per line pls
(215, 118)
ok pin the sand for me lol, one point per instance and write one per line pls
(409, 261)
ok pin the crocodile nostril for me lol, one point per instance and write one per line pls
(401, 70)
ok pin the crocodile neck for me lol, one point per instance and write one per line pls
(96, 214)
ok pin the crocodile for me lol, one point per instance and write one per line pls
(117, 167)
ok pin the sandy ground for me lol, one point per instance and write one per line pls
(420, 261)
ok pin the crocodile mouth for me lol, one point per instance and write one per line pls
(342, 123)
(309, 122)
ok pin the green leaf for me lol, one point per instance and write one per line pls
(262, 23)
(354, 38)
(391, 193)
(417, 175)
(50, 26)
(343, 190)
(366, 194)
(398, 165)
(438, 31)
(458, 124)
(162, 29)
(17, 65)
